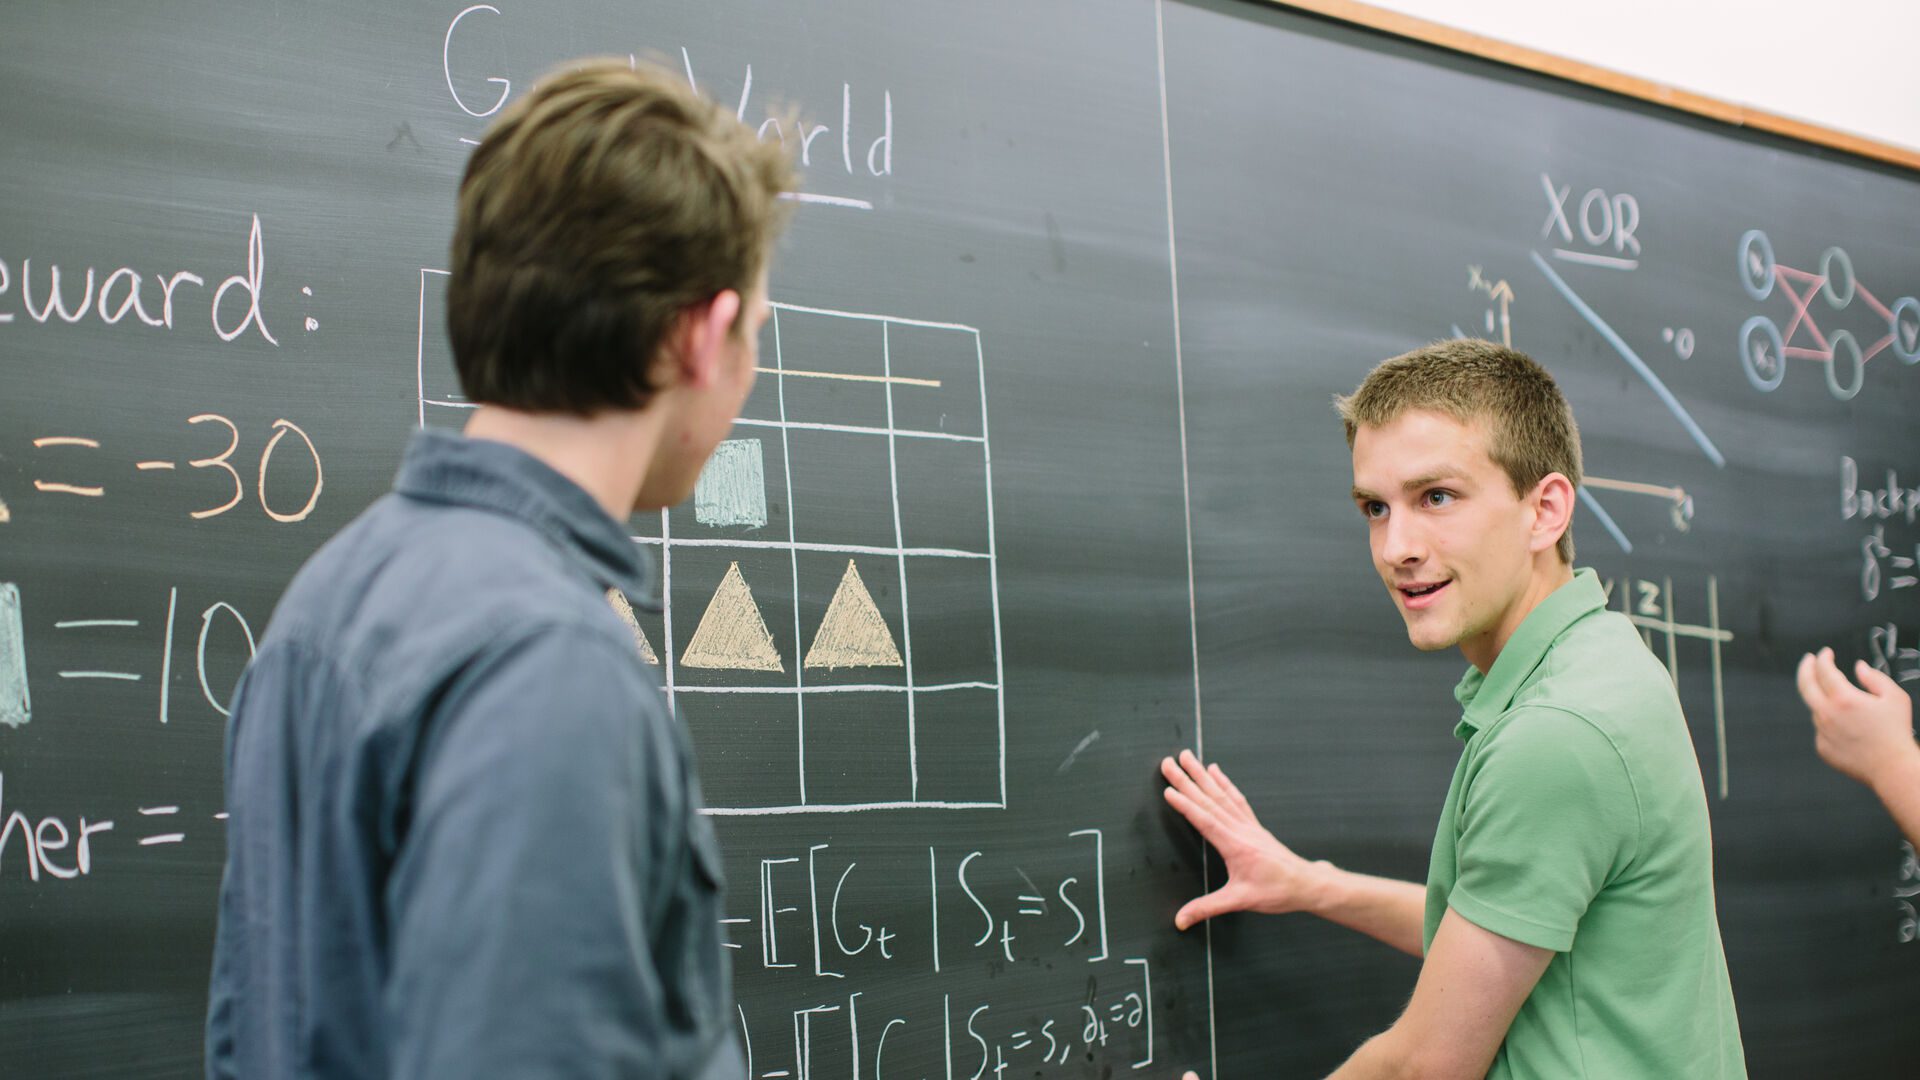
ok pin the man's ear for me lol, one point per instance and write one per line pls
(1552, 510)
(699, 338)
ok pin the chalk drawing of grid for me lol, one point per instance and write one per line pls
(796, 684)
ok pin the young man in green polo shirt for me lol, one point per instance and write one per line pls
(1567, 924)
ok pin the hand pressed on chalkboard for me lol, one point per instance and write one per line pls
(1263, 874)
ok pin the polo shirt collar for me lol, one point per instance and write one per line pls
(1483, 698)
(444, 467)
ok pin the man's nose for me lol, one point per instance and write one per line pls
(1402, 542)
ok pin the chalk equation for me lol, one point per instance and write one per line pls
(65, 848)
(69, 465)
(980, 914)
(1906, 888)
(1886, 564)
(221, 625)
(826, 918)
(1889, 654)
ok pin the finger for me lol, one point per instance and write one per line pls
(1228, 788)
(1198, 772)
(1827, 674)
(1197, 815)
(1810, 691)
(1180, 781)
(1874, 681)
(1841, 694)
(1204, 779)
(1218, 902)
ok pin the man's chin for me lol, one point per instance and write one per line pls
(1430, 639)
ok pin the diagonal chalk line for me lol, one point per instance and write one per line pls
(1639, 366)
(1606, 521)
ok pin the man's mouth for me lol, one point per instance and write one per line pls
(1419, 596)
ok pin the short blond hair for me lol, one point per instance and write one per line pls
(598, 207)
(1530, 427)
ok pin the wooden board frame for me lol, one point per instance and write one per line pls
(1560, 67)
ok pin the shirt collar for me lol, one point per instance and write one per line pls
(444, 467)
(1483, 698)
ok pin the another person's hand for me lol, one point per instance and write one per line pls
(1262, 873)
(1866, 731)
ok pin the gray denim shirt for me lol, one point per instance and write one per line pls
(464, 836)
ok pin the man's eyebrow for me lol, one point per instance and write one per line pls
(1418, 483)
(1440, 476)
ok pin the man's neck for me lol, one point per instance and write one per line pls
(1547, 577)
(607, 454)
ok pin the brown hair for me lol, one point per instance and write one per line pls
(1529, 424)
(598, 207)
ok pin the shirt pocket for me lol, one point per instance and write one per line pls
(703, 992)
(708, 869)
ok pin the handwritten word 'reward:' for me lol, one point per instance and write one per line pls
(49, 292)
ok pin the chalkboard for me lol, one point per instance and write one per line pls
(1340, 197)
(1040, 484)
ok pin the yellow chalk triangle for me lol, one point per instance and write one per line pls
(625, 610)
(853, 634)
(732, 635)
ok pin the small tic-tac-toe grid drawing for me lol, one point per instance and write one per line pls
(829, 629)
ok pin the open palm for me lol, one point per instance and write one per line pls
(1263, 874)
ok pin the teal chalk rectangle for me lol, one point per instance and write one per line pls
(732, 489)
(16, 706)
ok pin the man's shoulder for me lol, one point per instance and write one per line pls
(1602, 671)
(412, 590)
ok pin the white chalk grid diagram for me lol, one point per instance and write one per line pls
(830, 631)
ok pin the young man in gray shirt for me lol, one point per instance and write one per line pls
(465, 836)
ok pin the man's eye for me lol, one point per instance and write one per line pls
(1374, 510)
(1439, 498)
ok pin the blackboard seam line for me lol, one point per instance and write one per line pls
(1180, 377)
(420, 351)
(666, 612)
(993, 565)
(1186, 494)
(793, 566)
(900, 542)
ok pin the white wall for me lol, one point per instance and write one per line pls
(1847, 64)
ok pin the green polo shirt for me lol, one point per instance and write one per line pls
(1577, 822)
